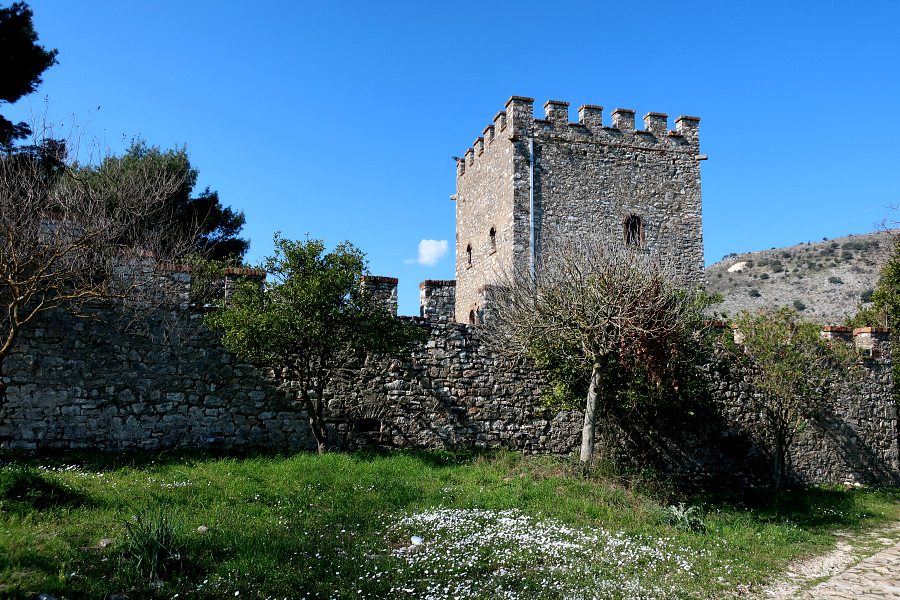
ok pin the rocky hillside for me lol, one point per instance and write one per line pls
(827, 281)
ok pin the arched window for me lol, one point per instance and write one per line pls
(493, 236)
(471, 317)
(469, 254)
(634, 230)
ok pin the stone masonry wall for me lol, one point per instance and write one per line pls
(74, 383)
(574, 180)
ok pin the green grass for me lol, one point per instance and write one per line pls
(496, 525)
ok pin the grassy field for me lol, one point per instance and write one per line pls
(398, 525)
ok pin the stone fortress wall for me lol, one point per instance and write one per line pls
(75, 384)
(528, 182)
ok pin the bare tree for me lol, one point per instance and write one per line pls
(76, 235)
(584, 303)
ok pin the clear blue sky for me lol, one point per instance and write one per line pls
(340, 118)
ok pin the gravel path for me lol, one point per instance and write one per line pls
(865, 567)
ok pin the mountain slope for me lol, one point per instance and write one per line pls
(827, 281)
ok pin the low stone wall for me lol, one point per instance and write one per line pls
(74, 383)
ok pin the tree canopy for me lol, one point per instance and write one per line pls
(587, 306)
(22, 61)
(313, 317)
(218, 226)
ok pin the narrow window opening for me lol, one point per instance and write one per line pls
(634, 230)
(471, 317)
(469, 254)
(493, 236)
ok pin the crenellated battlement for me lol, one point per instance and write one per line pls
(518, 120)
(530, 178)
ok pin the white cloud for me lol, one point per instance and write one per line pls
(431, 251)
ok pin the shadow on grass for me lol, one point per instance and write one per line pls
(815, 508)
(24, 489)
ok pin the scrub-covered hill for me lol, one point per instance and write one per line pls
(827, 281)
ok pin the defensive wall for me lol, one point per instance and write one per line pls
(527, 183)
(75, 383)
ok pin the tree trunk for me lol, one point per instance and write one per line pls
(590, 412)
(780, 461)
(316, 422)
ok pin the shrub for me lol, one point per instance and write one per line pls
(866, 296)
(719, 275)
(777, 268)
(23, 489)
(749, 264)
(835, 280)
(799, 305)
(846, 255)
(754, 293)
(764, 276)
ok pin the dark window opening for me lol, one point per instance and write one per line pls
(493, 235)
(469, 255)
(368, 425)
(634, 230)
(471, 317)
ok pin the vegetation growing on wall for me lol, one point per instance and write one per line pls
(588, 308)
(794, 372)
(313, 317)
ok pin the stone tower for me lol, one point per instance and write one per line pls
(529, 180)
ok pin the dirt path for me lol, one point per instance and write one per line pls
(865, 567)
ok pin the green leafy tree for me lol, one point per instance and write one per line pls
(884, 307)
(589, 307)
(313, 318)
(885, 300)
(218, 225)
(794, 373)
(22, 61)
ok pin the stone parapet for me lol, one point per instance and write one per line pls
(437, 299)
(384, 289)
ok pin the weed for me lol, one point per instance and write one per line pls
(153, 540)
(683, 517)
